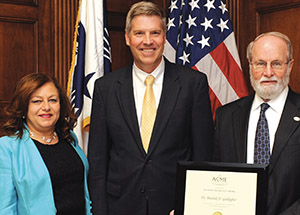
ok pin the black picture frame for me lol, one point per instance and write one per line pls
(260, 170)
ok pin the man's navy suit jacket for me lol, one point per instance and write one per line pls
(124, 179)
(230, 145)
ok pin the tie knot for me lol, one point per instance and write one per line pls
(264, 107)
(149, 80)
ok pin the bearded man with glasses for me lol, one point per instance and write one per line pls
(239, 136)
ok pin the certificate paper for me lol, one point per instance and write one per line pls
(220, 193)
(209, 188)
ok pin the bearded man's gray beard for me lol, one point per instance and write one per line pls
(270, 91)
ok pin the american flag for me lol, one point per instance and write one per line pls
(200, 35)
(91, 60)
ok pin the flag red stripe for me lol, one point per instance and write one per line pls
(215, 103)
(230, 69)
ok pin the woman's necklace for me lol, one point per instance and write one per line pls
(47, 140)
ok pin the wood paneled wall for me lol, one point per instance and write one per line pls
(37, 35)
(251, 18)
(64, 19)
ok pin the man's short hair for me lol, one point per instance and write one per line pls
(148, 9)
(276, 34)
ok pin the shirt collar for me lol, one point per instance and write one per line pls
(276, 104)
(157, 73)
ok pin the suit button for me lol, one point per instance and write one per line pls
(149, 161)
(142, 190)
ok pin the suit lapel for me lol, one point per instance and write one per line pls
(286, 127)
(240, 125)
(126, 101)
(169, 95)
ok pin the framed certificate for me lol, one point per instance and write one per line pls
(221, 188)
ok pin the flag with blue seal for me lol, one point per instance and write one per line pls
(91, 59)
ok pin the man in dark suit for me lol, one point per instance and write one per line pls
(130, 175)
(270, 57)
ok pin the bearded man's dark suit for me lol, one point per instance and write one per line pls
(230, 145)
(123, 179)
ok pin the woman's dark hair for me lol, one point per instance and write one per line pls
(17, 109)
